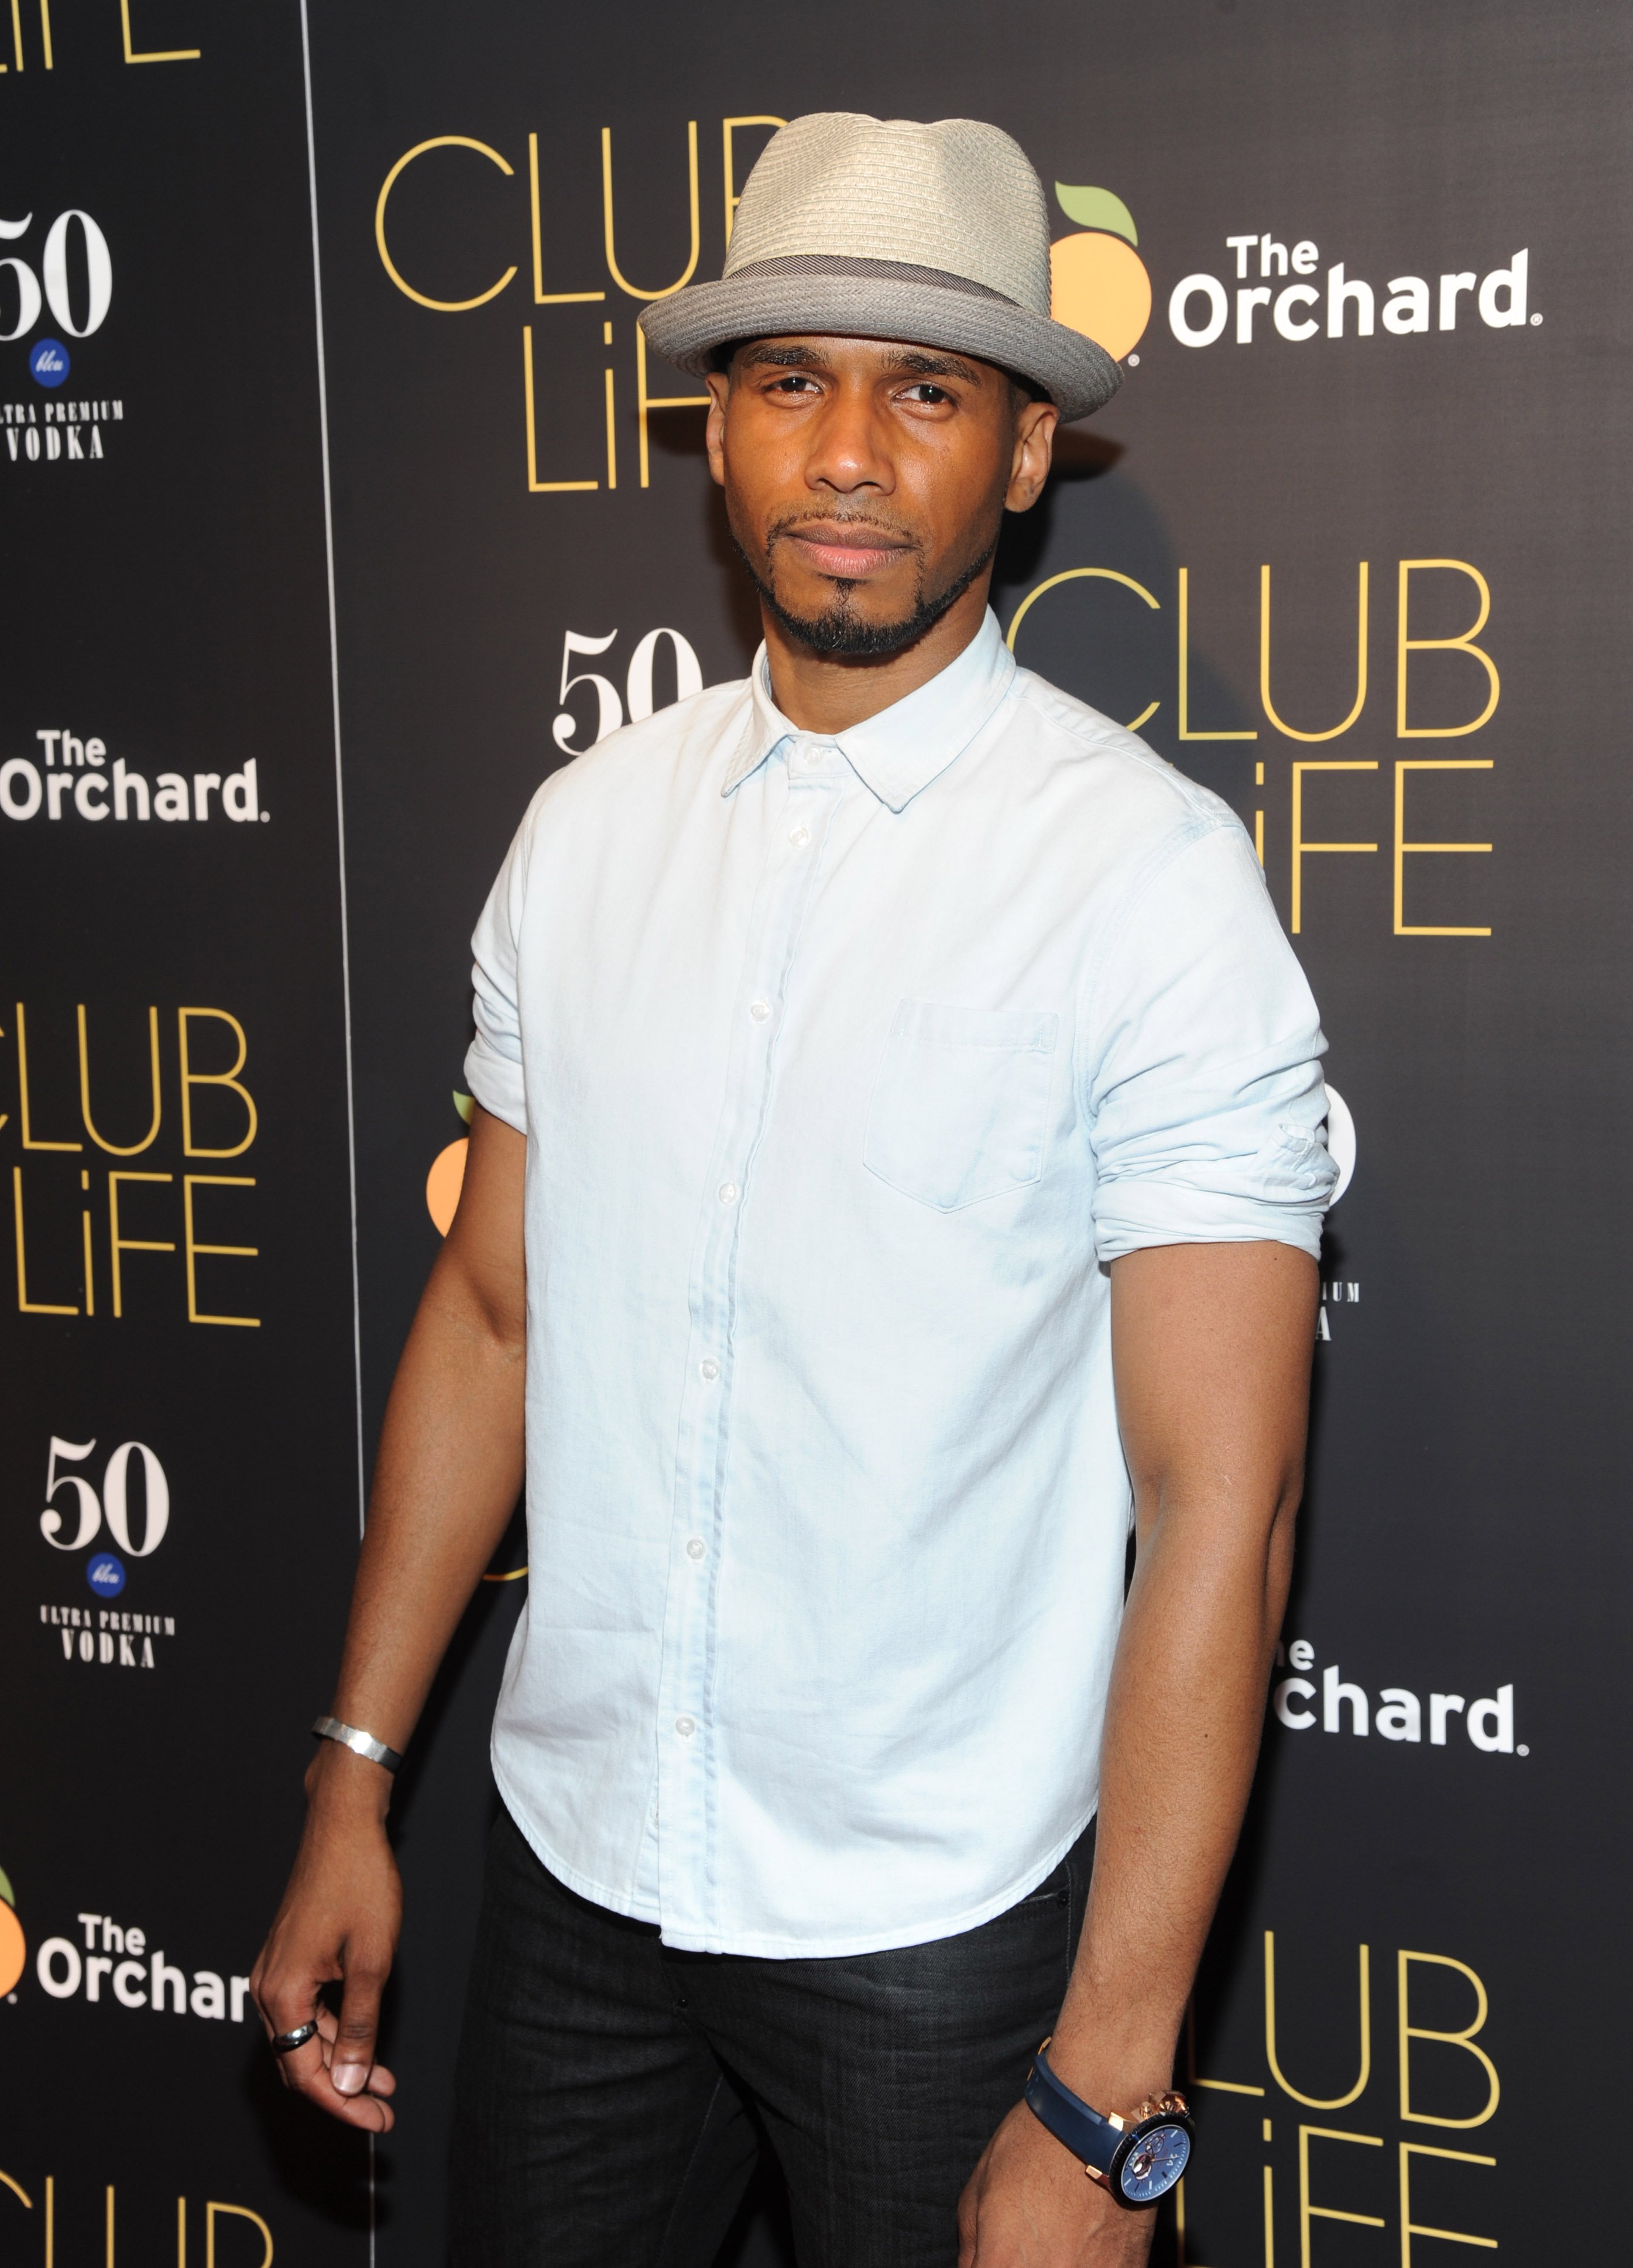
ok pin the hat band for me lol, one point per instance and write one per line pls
(892, 271)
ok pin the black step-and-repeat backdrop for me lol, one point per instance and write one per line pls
(341, 504)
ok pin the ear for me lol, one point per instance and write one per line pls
(1034, 452)
(719, 385)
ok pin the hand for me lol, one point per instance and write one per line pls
(1030, 2204)
(338, 1923)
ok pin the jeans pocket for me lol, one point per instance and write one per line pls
(960, 1106)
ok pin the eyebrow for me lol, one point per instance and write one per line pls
(783, 358)
(910, 359)
(935, 365)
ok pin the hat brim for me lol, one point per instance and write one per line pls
(689, 328)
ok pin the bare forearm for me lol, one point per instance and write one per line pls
(450, 1463)
(1213, 1350)
(446, 1481)
(1181, 1739)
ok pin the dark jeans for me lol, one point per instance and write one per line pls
(613, 2093)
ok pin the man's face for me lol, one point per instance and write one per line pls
(865, 482)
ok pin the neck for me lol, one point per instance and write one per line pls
(825, 693)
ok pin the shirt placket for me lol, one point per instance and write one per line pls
(687, 1757)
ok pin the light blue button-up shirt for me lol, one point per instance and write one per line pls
(845, 1064)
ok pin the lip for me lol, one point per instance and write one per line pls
(834, 552)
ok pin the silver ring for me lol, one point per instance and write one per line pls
(286, 2043)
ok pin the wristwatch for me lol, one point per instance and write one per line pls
(1139, 2158)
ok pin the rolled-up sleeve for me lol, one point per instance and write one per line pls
(1205, 1100)
(493, 1065)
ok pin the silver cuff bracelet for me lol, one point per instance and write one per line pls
(360, 1743)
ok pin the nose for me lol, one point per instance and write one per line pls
(849, 451)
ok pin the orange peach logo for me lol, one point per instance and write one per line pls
(13, 1945)
(446, 1177)
(1100, 286)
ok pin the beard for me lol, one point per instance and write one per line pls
(838, 632)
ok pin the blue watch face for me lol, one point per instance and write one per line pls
(1154, 2164)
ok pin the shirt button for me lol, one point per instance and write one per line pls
(813, 756)
(760, 1010)
(686, 1726)
(727, 1193)
(696, 1547)
(708, 1370)
(800, 837)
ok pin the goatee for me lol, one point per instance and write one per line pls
(840, 634)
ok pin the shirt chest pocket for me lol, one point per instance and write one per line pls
(960, 1106)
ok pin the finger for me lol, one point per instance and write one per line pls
(352, 2055)
(365, 2112)
(307, 2071)
(381, 2081)
(368, 2111)
(285, 2004)
(966, 2225)
(301, 2067)
(261, 1992)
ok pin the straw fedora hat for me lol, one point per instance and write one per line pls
(886, 229)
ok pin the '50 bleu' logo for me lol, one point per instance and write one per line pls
(47, 361)
(105, 1574)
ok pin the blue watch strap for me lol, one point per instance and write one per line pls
(1090, 2138)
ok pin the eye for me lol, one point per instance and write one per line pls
(794, 381)
(925, 390)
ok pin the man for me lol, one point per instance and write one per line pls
(911, 1103)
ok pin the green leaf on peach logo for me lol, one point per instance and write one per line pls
(1097, 209)
(6, 1891)
(463, 1105)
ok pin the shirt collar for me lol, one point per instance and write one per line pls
(902, 749)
